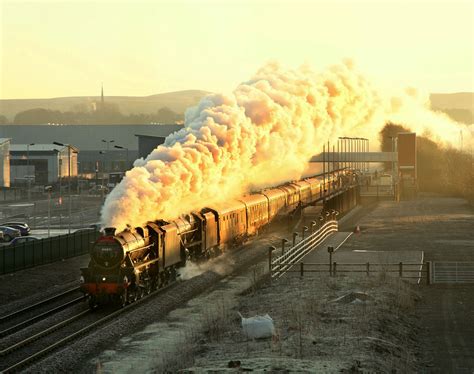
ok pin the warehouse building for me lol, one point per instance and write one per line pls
(42, 163)
(5, 166)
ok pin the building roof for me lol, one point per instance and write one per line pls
(150, 136)
(85, 137)
(39, 148)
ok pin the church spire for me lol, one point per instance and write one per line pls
(102, 95)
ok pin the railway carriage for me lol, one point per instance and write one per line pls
(276, 202)
(126, 265)
(232, 222)
(292, 197)
(256, 207)
(304, 189)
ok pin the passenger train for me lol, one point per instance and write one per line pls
(126, 265)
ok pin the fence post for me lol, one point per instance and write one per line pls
(295, 234)
(301, 269)
(283, 241)
(305, 228)
(334, 269)
(400, 269)
(428, 272)
(270, 250)
(330, 251)
(368, 269)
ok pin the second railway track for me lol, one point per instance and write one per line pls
(19, 319)
(28, 350)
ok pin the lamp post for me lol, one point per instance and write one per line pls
(126, 149)
(108, 142)
(27, 169)
(69, 178)
(103, 153)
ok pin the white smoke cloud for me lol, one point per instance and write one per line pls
(262, 134)
(221, 265)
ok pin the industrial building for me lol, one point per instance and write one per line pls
(147, 143)
(5, 166)
(42, 163)
(106, 148)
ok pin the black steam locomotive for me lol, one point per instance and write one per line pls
(126, 265)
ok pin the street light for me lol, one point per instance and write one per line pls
(108, 142)
(69, 178)
(103, 165)
(28, 168)
(126, 149)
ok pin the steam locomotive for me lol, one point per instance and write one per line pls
(125, 266)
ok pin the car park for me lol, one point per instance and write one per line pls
(22, 226)
(9, 233)
(23, 239)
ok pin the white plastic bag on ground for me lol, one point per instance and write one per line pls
(258, 326)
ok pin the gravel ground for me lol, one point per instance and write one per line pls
(24, 287)
(314, 330)
(75, 356)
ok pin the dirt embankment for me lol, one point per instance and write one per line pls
(351, 324)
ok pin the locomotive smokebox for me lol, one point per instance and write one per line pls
(109, 231)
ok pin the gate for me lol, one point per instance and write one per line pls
(453, 272)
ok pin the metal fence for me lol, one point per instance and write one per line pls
(453, 272)
(283, 263)
(406, 270)
(44, 251)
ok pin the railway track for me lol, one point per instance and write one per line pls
(34, 347)
(15, 321)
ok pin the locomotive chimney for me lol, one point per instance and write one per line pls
(109, 231)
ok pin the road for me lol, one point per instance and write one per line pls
(443, 229)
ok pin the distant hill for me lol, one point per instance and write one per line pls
(459, 106)
(176, 101)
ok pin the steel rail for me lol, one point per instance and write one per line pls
(39, 317)
(43, 333)
(36, 305)
(60, 343)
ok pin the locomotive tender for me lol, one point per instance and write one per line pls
(126, 265)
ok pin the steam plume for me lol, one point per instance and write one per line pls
(262, 134)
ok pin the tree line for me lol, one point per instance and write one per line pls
(106, 114)
(443, 170)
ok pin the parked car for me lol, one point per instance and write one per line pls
(22, 226)
(9, 233)
(95, 226)
(99, 189)
(23, 239)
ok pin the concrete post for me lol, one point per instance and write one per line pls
(295, 234)
(283, 241)
(330, 251)
(270, 250)
(305, 228)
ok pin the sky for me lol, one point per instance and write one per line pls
(68, 48)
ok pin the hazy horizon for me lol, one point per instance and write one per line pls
(54, 49)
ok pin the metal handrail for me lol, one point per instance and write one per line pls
(279, 265)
